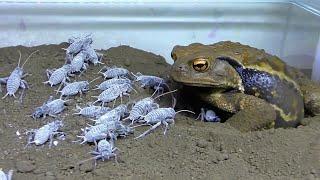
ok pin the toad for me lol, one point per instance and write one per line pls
(260, 89)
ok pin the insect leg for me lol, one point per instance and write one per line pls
(62, 82)
(143, 85)
(30, 137)
(51, 139)
(95, 144)
(113, 137)
(9, 175)
(100, 56)
(149, 131)
(80, 92)
(114, 102)
(52, 115)
(201, 115)
(103, 68)
(25, 75)
(49, 72)
(24, 85)
(21, 96)
(166, 126)
(3, 81)
(84, 68)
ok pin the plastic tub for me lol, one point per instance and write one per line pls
(288, 29)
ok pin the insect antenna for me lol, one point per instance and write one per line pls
(134, 75)
(94, 79)
(29, 58)
(102, 69)
(89, 159)
(80, 140)
(134, 90)
(174, 102)
(19, 58)
(165, 93)
(184, 110)
(154, 93)
(139, 125)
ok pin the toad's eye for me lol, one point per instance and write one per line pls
(200, 64)
(173, 56)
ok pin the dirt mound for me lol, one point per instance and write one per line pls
(191, 149)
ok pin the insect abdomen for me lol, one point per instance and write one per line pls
(13, 83)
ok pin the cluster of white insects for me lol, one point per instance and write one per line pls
(109, 123)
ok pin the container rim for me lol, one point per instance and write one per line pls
(143, 1)
(312, 8)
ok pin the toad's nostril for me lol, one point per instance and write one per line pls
(179, 68)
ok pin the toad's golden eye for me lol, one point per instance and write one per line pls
(173, 56)
(200, 64)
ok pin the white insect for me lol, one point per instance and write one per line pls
(98, 132)
(123, 130)
(104, 150)
(92, 111)
(114, 72)
(113, 115)
(112, 93)
(160, 116)
(74, 88)
(108, 83)
(76, 45)
(110, 129)
(78, 62)
(57, 76)
(154, 82)
(51, 108)
(45, 133)
(4, 176)
(208, 115)
(92, 56)
(143, 107)
(14, 81)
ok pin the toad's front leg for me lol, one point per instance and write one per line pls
(251, 113)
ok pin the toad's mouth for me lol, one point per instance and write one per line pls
(203, 85)
(209, 89)
(199, 82)
(204, 88)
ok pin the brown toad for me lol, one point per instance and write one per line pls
(258, 87)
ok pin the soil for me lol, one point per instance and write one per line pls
(191, 149)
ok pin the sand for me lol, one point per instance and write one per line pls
(191, 149)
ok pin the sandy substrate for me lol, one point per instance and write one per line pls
(191, 149)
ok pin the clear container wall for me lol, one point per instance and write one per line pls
(289, 30)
